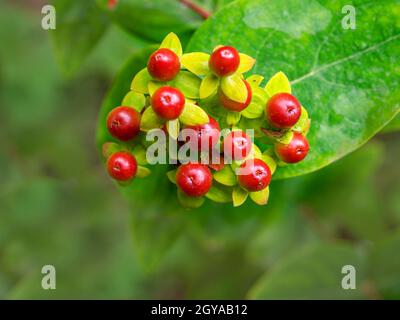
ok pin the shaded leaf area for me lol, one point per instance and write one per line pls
(347, 79)
(393, 125)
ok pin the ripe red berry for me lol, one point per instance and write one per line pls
(168, 103)
(194, 179)
(122, 166)
(207, 135)
(123, 123)
(283, 110)
(237, 145)
(224, 61)
(163, 65)
(234, 105)
(257, 175)
(295, 151)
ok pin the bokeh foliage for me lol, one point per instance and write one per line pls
(57, 205)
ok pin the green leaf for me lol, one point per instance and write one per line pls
(80, 25)
(109, 148)
(226, 176)
(140, 154)
(172, 176)
(260, 197)
(246, 63)
(143, 172)
(220, 193)
(255, 80)
(314, 272)
(189, 202)
(232, 118)
(173, 128)
(140, 81)
(347, 78)
(188, 84)
(153, 86)
(257, 105)
(234, 88)
(135, 100)
(196, 62)
(239, 196)
(277, 84)
(172, 42)
(269, 161)
(193, 115)
(303, 125)
(208, 86)
(393, 125)
(150, 120)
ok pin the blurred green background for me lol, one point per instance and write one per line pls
(58, 207)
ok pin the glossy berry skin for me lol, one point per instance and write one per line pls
(207, 135)
(123, 123)
(295, 151)
(168, 103)
(163, 65)
(224, 61)
(257, 176)
(194, 179)
(283, 110)
(122, 166)
(234, 105)
(237, 145)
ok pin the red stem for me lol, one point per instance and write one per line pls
(194, 7)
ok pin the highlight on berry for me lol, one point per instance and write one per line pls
(237, 128)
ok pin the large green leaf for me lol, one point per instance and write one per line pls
(80, 25)
(393, 125)
(347, 79)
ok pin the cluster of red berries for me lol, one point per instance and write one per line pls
(204, 93)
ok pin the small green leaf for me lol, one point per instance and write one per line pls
(172, 42)
(193, 115)
(286, 137)
(260, 197)
(220, 193)
(150, 120)
(232, 118)
(140, 81)
(208, 86)
(277, 84)
(226, 176)
(173, 128)
(271, 163)
(189, 202)
(140, 154)
(246, 63)
(257, 106)
(135, 100)
(255, 80)
(239, 196)
(142, 172)
(153, 86)
(196, 62)
(303, 124)
(234, 88)
(108, 148)
(188, 84)
(172, 176)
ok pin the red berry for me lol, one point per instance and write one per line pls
(163, 65)
(168, 103)
(295, 151)
(122, 166)
(283, 110)
(224, 61)
(194, 179)
(237, 145)
(257, 175)
(207, 135)
(123, 123)
(234, 105)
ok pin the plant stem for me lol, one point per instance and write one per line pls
(196, 8)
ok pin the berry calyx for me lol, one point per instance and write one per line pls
(234, 105)
(257, 175)
(295, 151)
(283, 110)
(237, 145)
(122, 166)
(168, 103)
(224, 61)
(123, 123)
(194, 179)
(207, 135)
(163, 65)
